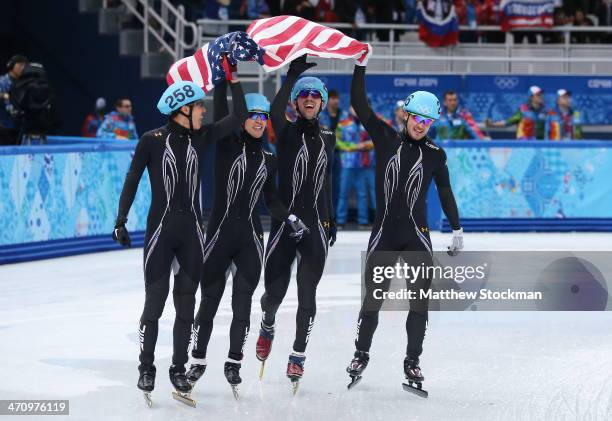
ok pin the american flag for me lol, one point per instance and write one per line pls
(285, 38)
(204, 67)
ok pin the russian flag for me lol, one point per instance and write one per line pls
(438, 24)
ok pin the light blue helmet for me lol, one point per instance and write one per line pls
(257, 102)
(179, 94)
(423, 103)
(310, 82)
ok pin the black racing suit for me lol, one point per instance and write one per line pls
(404, 170)
(305, 157)
(171, 154)
(234, 238)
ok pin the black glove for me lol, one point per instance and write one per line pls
(120, 233)
(299, 66)
(333, 230)
(298, 227)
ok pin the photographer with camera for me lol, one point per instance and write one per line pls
(8, 130)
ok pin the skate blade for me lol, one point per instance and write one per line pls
(184, 398)
(295, 384)
(417, 390)
(147, 398)
(235, 392)
(354, 382)
(261, 369)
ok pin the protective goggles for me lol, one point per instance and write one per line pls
(253, 115)
(424, 120)
(309, 92)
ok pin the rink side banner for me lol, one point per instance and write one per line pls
(65, 192)
(531, 179)
(485, 96)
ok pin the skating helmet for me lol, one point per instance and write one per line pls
(257, 102)
(310, 83)
(179, 94)
(423, 103)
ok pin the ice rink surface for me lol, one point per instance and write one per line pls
(68, 330)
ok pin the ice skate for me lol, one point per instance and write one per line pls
(356, 367)
(146, 382)
(295, 369)
(182, 386)
(195, 372)
(264, 346)
(414, 376)
(232, 374)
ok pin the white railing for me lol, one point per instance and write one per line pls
(164, 22)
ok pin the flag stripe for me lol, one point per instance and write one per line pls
(288, 37)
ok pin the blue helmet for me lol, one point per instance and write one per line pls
(179, 94)
(423, 103)
(312, 83)
(257, 102)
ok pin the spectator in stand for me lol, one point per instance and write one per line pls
(456, 123)
(352, 140)
(119, 124)
(325, 11)
(8, 129)
(563, 122)
(410, 9)
(488, 14)
(303, 8)
(603, 11)
(559, 19)
(92, 122)
(275, 7)
(257, 9)
(467, 13)
(530, 117)
(329, 119)
(389, 11)
(581, 20)
(351, 11)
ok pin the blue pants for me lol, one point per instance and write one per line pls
(352, 178)
(370, 177)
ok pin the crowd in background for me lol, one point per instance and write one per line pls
(469, 13)
(118, 124)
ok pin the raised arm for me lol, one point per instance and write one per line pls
(279, 104)
(230, 122)
(359, 100)
(220, 108)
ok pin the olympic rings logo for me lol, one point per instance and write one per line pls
(506, 82)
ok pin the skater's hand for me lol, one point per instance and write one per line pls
(333, 230)
(457, 243)
(298, 227)
(362, 60)
(120, 233)
(299, 66)
(230, 70)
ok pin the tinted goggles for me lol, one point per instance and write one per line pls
(253, 115)
(308, 92)
(424, 120)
